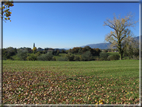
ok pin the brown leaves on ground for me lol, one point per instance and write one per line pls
(47, 87)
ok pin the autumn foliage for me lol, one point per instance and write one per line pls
(80, 50)
(34, 49)
(6, 12)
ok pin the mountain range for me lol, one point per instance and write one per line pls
(98, 45)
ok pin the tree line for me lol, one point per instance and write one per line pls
(75, 54)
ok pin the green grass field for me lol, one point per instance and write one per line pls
(71, 82)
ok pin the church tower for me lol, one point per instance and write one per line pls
(33, 45)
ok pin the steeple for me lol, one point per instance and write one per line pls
(33, 45)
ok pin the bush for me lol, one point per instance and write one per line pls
(3, 58)
(136, 53)
(53, 59)
(113, 57)
(32, 58)
(97, 58)
(45, 57)
(70, 57)
(22, 54)
(63, 59)
(38, 54)
(135, 57)
(87, 56)
(103, 55)
(76, 58)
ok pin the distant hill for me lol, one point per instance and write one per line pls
(99, 45)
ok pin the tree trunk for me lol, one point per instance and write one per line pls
(120, 55)
(119, 49)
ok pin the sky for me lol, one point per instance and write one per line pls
(63, 25)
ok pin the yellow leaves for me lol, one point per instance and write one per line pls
(34, 49)
(3, 7)
(6, 10)
(123, 20)
(117, 22)
(119, 25)
(111, 32)
(100, 102)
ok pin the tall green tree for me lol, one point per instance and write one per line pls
(5, 10)
(120, 32)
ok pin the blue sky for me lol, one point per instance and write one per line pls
(62, 25)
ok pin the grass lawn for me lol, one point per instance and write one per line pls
(74, 82)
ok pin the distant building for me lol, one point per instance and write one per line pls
(33, 45)
(50, 50)
(40, 49)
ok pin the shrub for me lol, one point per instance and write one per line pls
(135, 57)
(45, 57)
(76, 58)
(103, 55)
(87, 56)
(3, 58)
(32, 58)
(53, 59)
(113, 57)
(63, 59)
(97, 58)
(136, 53)
(22, 54)
(38, 54)
(70, 57)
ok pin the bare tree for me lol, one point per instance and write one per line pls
(121, 32)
